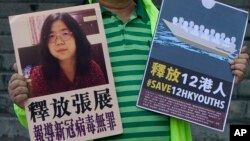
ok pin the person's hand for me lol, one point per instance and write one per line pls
(239, 65)
(18, 88)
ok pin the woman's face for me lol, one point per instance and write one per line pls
(61, 42)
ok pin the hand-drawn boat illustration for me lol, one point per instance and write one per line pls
(203, 39)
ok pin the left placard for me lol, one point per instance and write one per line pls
(69, 75)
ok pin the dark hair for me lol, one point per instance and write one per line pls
(85, 2)
(49, 63)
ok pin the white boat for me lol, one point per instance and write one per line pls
(199, 42)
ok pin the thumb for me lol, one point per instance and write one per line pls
(15, 67)
(244, 49)
(29, 86)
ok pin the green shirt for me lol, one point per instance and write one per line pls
(128, 45)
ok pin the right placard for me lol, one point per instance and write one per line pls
(188, 75)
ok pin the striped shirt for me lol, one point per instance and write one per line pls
(128, 45)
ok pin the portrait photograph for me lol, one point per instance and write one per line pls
(61, 53)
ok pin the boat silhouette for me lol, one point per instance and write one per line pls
(198, 42)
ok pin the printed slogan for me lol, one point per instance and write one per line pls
(180, 92)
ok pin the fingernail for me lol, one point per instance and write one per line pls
(230, 61)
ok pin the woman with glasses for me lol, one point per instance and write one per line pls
(66, 62)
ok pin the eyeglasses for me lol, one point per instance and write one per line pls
(65, 35)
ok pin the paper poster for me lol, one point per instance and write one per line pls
(64, 57)
(188, 75)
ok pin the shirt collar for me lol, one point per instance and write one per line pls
(140, 11)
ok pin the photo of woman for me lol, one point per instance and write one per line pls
(65, 58)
